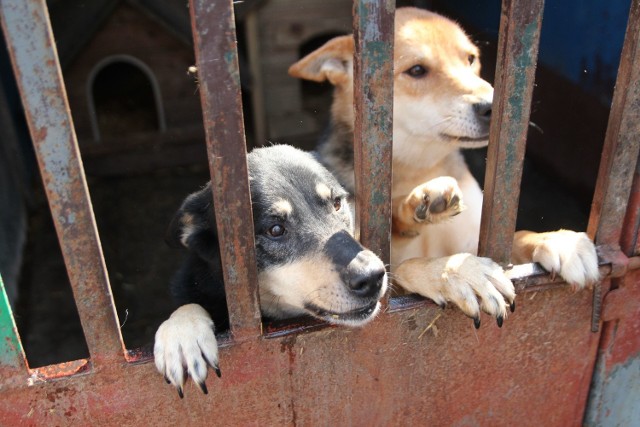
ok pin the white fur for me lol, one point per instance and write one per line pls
(186, 344)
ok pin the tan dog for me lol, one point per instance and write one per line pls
(440, 106)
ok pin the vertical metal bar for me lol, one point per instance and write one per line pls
(616, 196)
(520, 24)
(11, 353)
(630, 241)
(35, 62)
(373, 97)
(621, 143)
(620, 152)
(218, 74)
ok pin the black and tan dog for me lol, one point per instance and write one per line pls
(307, 261)
(440, 106)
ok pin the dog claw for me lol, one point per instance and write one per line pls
(442, 305)
(218, 373)
(203, 387)
(500, 319)
(180, 393)
(166, 378)
(476, 322)
(512, 306)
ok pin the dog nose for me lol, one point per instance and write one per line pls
(367, 284)
(482, 110)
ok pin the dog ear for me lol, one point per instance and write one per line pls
(329, 62)
(194, 225)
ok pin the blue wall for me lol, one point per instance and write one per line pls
(581, 39)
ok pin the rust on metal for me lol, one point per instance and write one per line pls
(614, 382)
(218, 74)
(32, 49)
(621, 144)
(373, 131)
(389, 373)
(630, 242)
(59, 370)
(621, 149)
(515, 73)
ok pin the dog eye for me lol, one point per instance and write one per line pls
(471, 59)
(276, 231)
(417, 71)
(337, 203)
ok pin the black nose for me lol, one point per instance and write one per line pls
(483, 111)
(366, 284)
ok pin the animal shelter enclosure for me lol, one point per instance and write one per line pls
(558, 360)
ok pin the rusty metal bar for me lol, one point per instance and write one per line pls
(33, 54)
(621, 144)
(219, 78)
(373, 132)
(520, 24)
(630, 242)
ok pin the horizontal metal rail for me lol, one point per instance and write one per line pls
(35, 62)
(219, 78)
(518, 41)
(373, 131)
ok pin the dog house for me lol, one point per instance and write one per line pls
(559, 360)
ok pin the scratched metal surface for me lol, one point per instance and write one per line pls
(518, 41)
(32, 49)
(373, 129)
(403, 369)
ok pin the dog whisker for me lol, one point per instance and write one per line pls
(536, 127)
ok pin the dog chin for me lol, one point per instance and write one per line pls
(356, 317)
(467, 141)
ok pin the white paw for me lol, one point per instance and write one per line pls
(185, 345)
(570, 254)
(472, 283)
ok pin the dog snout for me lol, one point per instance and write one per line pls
(367, 283)
(482, 110)
(361, 271)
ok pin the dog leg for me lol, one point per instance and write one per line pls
(185, 344)
(568, 253)
(470, 282)
(430, 203)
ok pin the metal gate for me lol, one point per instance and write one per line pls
(538, 370)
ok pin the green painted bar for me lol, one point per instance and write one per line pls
(11, 354)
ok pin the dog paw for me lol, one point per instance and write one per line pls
(472, 283)
(185, 345)
(435, 200)
(570, 254)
